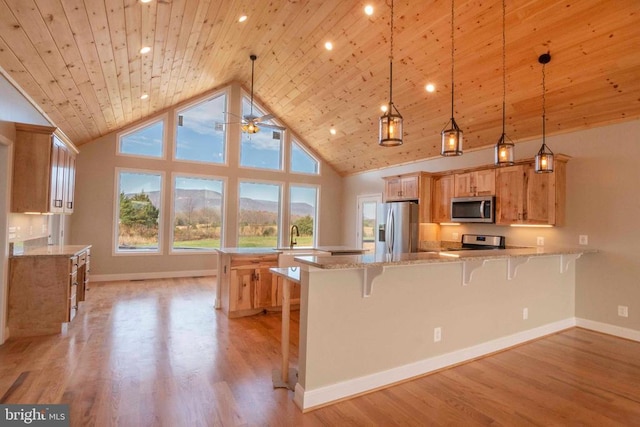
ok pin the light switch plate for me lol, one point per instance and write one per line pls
(583, 239)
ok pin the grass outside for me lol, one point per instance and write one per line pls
(244, 242)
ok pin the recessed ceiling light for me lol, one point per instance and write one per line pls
(328, 46)
(145, 1)
(242, 18)
(430, 87)
(332, 131)
(383, 108)
(145, 49)
(144, 96)
(368, 9)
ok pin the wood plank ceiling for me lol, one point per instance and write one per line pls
(79, 60)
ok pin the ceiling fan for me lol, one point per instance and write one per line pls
(251, 123)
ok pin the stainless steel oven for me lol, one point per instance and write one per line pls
(473, 209)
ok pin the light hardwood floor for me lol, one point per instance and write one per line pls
(156, 353)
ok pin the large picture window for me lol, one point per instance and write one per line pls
(259, 210)
(201, 132)
(139, 202)
(144, 141)
(263, 149)
(197, 213)
(302, 161)
(303, 201)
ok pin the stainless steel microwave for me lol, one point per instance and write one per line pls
(473, 209)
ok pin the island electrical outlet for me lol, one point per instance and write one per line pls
(437, 334)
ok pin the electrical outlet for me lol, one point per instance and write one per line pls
(525, 313)
(540, 241)
(623, 311)
(583, 239)
(454, 236)
(437, 334)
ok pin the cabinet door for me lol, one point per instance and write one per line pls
(485, 182)
(540, 200)
(240, 292)
(392, 189)
(463, 185)
(510, 189)
(58, 176)
(411, 187)
(263, 288)
(32, 155)
(70, 184)
(442, 193)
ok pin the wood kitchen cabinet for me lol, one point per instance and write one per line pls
(525, 197)
(247, 285)
(475, 183)
(443, 191)
(43, 171)
(46, 286)
(414, 186)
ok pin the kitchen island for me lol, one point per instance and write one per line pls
(246, 285)
(369, 321)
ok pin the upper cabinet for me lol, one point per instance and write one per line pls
(401, 187)
(525, 197)
(475, 183)
(43, 171)
(413, 186)
(443, 190)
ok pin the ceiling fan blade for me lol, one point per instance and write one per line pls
(270, 126)
(265, 117)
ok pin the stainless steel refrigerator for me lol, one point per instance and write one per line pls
(398, 228)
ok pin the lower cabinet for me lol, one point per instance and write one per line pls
(44, 291)
(247, 285)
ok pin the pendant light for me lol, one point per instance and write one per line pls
(544, 158)
(391, 131)
(451, 137)
(504, 150)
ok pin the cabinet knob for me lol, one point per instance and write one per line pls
(75, 283)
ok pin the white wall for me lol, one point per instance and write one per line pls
(93, 218)
(602, 202)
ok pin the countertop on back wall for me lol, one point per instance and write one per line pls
(51, 250)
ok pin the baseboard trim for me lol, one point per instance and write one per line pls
(311, 399)
(606, 328)
(152, 275)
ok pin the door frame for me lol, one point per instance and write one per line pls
(360, 200)
(6, 151)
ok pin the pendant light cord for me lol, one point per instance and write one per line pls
(452, 50)
(504, 66)
(391, 62)
(544, 102)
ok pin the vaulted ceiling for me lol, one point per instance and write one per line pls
(80, 61)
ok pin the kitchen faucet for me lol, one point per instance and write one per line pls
(292, 240)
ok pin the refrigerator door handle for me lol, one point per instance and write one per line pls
(390, 231)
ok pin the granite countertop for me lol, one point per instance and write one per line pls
(248, 251)
(53, 250)
(370, 260)
(275, 251)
